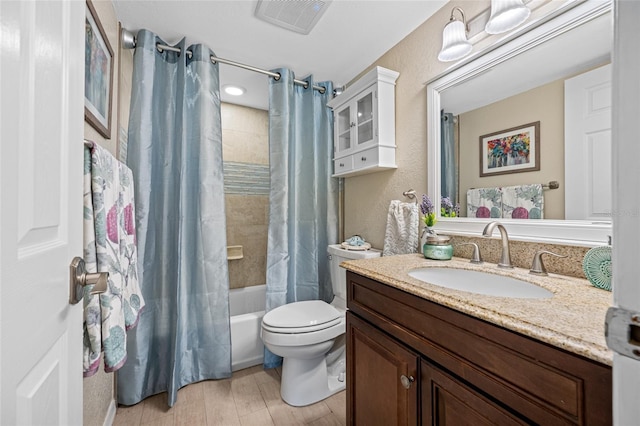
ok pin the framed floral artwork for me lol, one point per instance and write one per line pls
(513, 150)
(98, 74)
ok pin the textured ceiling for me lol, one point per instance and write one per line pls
(350, 36)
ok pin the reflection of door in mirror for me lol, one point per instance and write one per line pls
(501, 94)
(587, 144)
(582, 169)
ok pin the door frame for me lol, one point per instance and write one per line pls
(626, 196)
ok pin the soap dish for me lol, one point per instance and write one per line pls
(234, 252)
(597, 267)
(363, 247)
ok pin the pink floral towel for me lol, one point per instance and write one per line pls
(109, 246)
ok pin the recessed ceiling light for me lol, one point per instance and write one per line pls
(233, 90)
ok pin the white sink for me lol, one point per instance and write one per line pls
(480, 283)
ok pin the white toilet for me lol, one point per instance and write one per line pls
(309, 336)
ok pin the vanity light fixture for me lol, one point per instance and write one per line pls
(454, 39)
(506, 15)
(233, 90)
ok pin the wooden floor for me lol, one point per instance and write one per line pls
(250, 397)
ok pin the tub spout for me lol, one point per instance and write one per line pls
(505, 256)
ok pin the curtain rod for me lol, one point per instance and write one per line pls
(129, 42)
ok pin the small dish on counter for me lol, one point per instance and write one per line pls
(597, 267)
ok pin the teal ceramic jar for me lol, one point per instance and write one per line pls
(438, 247)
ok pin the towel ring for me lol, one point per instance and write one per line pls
(411, 194)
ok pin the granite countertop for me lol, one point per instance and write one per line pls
(573, 319)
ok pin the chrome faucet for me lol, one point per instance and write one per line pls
(505, 257)
(537, 267)
(475, 257)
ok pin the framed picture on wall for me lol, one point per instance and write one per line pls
(98, 74)
(512, 150)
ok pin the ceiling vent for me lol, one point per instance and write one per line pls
(294, 15)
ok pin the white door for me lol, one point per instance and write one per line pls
(587, 145)
(41, 130)
(626, 199)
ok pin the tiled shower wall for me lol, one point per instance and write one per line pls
(245, 140)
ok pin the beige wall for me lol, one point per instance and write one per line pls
(415, 58)
(245, 139)
(245, 134)
(99, 389)
(544, 104)
(247, 223)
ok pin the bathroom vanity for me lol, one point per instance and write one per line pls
(424, 354)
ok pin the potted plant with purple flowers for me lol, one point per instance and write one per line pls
(428, 211)
(428, 218)
(447, 209)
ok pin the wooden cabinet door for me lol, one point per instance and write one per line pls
(376, 363)
(447, 401)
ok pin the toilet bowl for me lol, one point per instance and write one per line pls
(309, 336)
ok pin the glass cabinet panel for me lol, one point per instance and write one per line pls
(344, 130)
(365, 119)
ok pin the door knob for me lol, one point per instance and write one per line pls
(406, 381)
(79, 278)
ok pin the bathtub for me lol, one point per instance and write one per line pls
(246, 308)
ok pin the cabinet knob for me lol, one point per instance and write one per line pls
(352, 124)
(341, 164)
(406, 381)
(364, 158)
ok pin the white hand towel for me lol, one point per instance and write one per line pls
(401, 236)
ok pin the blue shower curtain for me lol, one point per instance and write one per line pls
(303, 200)
(175, 153)
(448, 164)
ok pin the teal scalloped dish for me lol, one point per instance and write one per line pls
(597, 267)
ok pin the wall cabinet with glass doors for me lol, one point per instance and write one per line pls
(364, 125)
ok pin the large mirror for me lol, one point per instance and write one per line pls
(522, 133)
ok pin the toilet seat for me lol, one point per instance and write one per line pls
(302, 323)
(281, 337)
(301, 317)
(296, 330)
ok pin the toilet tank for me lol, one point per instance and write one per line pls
(337, 255)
